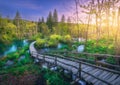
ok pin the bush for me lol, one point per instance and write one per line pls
(51, 43)
(2, 63)
(13, 56)
(40, 43)
(55, 37)
(39, 35)
(54, 78)
(66, 39)
(111, 60)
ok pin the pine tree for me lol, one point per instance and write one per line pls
(63, 19)
(39, 25)
(43, 20)
(50, 21)
(68, 20)
(17, 19)
(55, 16)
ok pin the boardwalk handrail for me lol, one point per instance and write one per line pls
(79, 62)
(96, 56)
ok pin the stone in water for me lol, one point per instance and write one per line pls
(80, 48)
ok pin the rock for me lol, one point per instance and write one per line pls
(53, 68)
(36, 60)
(44, 66)
(81, 48)
(81, 82)
(9, 63)
(21, 58)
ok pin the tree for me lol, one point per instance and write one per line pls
(39, 25)
(43, 20)
(19, 24)
(69, 26)
(63, 19)
(7, 31)
(55, 16)
(17, 19)
(50, 21)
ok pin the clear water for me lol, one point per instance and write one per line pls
(6, 49)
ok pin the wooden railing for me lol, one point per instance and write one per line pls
(56, 58)
(96, 57)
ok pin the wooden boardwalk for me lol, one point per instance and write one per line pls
(91, 73)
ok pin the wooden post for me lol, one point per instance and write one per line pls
(37, 55)
(95, 59)
(55, 61)
(79, 69)
(43, 58)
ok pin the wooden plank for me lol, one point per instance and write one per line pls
(91, 72)
(83, 66)
(85, 75)
(103, 74)
(100, 83)
(88, 69)
(91, 78)
(109, 76)
(116, 81)
(96, 74)
(112, 78)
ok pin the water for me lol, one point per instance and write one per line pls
(6, 49)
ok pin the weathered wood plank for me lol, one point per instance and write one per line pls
(100, 83)
(113, 77)
(116, 81)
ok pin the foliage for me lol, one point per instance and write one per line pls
(100, 47)
(67, 39)
(54, 78)
(40, 43)
(51, 43)
(111, 60)
(39, 35)
(55, 37)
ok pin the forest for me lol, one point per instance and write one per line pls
(98, 35)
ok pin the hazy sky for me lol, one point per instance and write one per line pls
(33, 9)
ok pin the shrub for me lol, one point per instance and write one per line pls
(13, 56)
(39, 35)
(51, 43)
(111, 60)
(2, 63)
(55, 37)
(40, 43)
(66, 39)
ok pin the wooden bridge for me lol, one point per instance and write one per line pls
(91, 73)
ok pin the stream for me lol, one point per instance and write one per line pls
(14, 46)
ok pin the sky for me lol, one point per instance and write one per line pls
(34, 9)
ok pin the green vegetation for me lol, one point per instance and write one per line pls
(111, 60)
(53, 41)
(26, 66)
(54, 78)
(103, 46)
